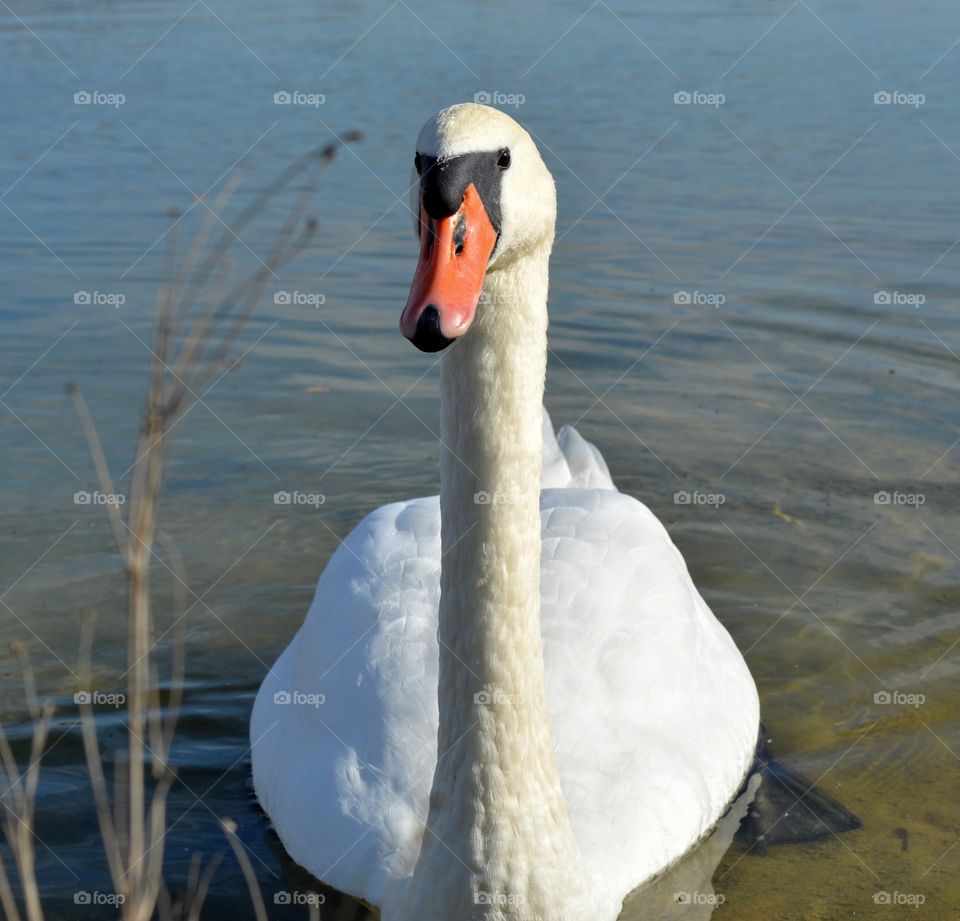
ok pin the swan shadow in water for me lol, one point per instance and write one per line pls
(685, 891)
(776, 805)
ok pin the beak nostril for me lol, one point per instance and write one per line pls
(459, 235)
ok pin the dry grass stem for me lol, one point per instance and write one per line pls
(198, 319)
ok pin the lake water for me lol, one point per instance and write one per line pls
(753, 306)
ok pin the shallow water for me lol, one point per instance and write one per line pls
(783, 411)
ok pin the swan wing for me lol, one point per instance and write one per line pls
(654, 712)
(344, 727)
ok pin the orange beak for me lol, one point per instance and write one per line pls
(454, 252)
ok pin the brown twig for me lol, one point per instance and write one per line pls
(195, 327)
(19, 802)
(92, 438)
(256, 896)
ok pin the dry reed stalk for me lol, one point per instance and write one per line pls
(19, 802)
(197, 323)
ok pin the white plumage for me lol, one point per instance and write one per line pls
(594, 719)
(654, 712)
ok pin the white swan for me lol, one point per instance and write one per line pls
(529, 711)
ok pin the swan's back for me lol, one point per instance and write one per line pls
(654, 713)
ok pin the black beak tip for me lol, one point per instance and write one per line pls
(428, 337)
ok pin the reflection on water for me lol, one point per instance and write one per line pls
(686, 891)
(819, 398)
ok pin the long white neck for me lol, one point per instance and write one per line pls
(498, 836)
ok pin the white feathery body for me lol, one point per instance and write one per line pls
(529, 710)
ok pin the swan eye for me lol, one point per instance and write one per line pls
(503, 158)
(417, 165)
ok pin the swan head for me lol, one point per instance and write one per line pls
(483, 198)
